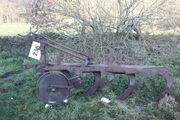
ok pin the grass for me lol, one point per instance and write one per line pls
(177, 114)
(19, 101)
(12, 29)
(175, 31)
(161, 31)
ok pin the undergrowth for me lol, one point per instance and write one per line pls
(19, 101)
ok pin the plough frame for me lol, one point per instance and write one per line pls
(89, 67)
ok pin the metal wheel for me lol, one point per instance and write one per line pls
(53, 88)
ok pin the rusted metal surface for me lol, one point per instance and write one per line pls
(124, 69)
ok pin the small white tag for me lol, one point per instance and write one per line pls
(51, 102)
(35, 51)
(105, 100)
(47, 105)
(66, 101)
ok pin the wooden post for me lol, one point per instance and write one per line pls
(40, 68)
(43, 54)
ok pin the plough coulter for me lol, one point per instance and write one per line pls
(55, 80)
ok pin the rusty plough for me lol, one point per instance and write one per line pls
(55, 80)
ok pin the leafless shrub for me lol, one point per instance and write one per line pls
(100, 28)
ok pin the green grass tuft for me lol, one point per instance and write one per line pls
(12, 29)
